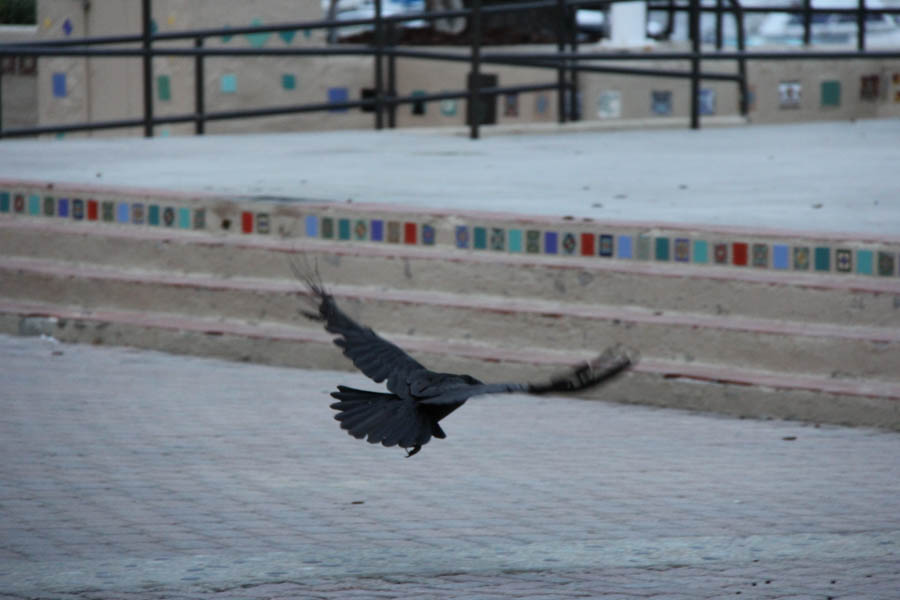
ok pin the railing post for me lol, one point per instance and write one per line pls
(573, 72)
(695, 64)
(199, 90)
(147, 42)
(1, 98)
(861, 25)
(742, 62)
(475, 83)
(718, 24)
(379, 52)
(392, 77)
(561, 64)
(807, 22)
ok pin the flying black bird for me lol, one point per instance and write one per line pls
(408, 416)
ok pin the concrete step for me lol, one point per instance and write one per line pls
(839, 351)
(725, 389)
(798, 297)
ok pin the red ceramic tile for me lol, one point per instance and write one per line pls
(587, 244)
(247, 222)
(409, 233)
(739, 254)
(92, 210)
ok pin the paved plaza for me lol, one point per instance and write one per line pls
(129, 474)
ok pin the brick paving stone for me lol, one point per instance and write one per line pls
(138, 475)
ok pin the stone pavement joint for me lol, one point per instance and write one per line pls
(129, 474)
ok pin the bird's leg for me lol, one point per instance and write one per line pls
(413, 451)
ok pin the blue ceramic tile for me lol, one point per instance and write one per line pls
(123, 215)
(551, 241)
(625, 249)
(312, 226)
(377, 233)
(63, 208)
(781, 256)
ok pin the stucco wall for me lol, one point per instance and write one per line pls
(107, 88)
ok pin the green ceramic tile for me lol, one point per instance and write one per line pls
(344, 229)
(662, 248)
(831, 93)
(822, 258)
(479, 241)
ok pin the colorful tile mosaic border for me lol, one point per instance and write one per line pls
(566, 240)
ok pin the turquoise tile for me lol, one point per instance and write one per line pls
(4, 202)
(662, 248)
(344, 229)
(865, 262)
(184, 218)
(515, 240)
(152, 215)
(479, 238)
(228, 83)
(34, 204)
(822, 258)
(701, 251)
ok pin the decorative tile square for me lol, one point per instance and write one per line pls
(343, 229)
(199, 218)
(843, 260)
(123, 212)
(606, 245)
(551, 242)
(682, 250)
(428, 234)
(327, 226)
(418, 106)
(288, 81)
(533, 241)
(707, 101)
(163, 88)
(609, 104)
(462, 236)
(515, 240)
(4, 202)
(865, 262)
(263, 223)
(587, 244)
(661, 248)
(312, 226)
(152, 213)
(780, 256)
(360, 229)
(498, 238)
(643, 247)
(19, 203)
(337, 95)
(49, 206)
(660, 104)
(393, 235)
(228, 83)
(720, 253)
(739, 254)
(569, 244)
(448, 107)
(625, 247)
(479, 241)
(511, 105)
(377, 234)
(885, 264)
(823, 259)
(869, 87)
(831, 93)
(107, 210)
(62, 208)
(761, 256)
(168, 217)
(409, 233)
(789, 93)
(78, 209)
(246, 220)
(137, 213)
(92, 210)
(701, 251)
(801, 258)
(34, 204)
(59, 85)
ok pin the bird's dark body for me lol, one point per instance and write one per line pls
(418, 399)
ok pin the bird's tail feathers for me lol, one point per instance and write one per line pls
(604, 368)
(384, 418)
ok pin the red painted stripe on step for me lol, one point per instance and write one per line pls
(668, 369)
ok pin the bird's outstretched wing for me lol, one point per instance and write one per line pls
(376, 357)
(614, 361)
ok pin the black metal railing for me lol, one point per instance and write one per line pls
(567, 60)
